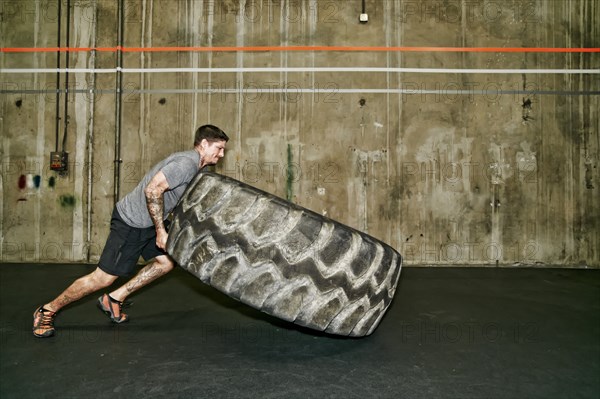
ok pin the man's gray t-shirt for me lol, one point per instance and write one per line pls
(179, 169)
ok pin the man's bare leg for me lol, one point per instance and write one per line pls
(161, 266)
(43, 317)
(81, 287)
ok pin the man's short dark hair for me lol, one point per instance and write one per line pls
(211, 133)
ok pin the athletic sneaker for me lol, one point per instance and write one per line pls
(43, 322)
(112, 308)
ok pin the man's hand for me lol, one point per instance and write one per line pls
(161, 239)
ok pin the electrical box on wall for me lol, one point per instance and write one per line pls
(59, 161)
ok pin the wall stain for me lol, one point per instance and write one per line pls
(52, 182)
(588, 176)
(290, 174)
(67, 201)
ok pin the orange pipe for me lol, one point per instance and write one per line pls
(304, 48)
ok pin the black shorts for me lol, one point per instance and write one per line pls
(125, 245)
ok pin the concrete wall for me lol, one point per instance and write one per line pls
(460, 168)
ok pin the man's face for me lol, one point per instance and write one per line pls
(212, 151)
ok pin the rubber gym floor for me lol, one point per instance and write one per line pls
(449, 333)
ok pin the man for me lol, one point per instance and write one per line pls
(137, 228)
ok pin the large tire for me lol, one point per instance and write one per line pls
(281, 258)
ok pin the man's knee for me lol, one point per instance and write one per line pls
(165, 262)
(101, 278)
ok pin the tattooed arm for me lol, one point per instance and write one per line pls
(154, 200)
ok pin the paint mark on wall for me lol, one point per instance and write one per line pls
(22, 182)
(67, 201)
(29, 181)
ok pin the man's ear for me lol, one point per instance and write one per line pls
(204, 144)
